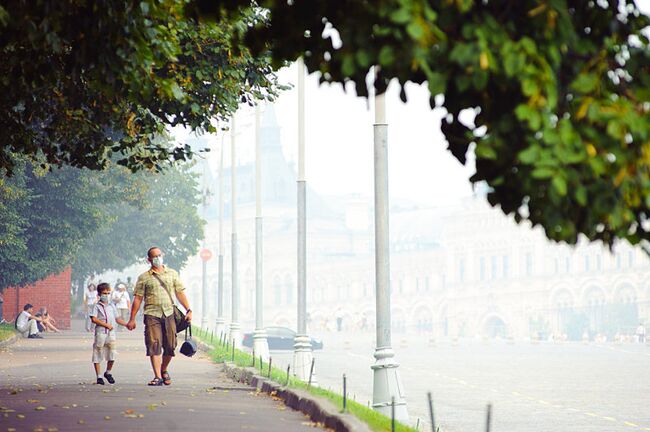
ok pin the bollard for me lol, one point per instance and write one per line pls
(433, 421)
(311, 372)
(233, 350)
(417, 425)
(261, 364)
(270, 362)
(345, 392)
(489, 418)
(288, 369)
(392, 414)
(211, 336)
(253, 358)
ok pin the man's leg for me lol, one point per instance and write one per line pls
(166, 359)
(33, 327)
(155, 364)
(153, 336)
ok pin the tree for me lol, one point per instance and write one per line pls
(84, 83)
(166, 216)
(561, 89)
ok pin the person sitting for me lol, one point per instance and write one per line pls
(26, 323)
(47, 323)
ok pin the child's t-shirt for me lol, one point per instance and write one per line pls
(106, 313)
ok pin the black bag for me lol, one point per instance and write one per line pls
(179, 317)
(189, 347)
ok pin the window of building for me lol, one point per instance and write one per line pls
(598, 262)
(618, 261)
(567, 265)
(630, 258)
(417, 284)
(529, 264)
(493, 267)
(482, 268)
(556, 269)
(587, 266)
(427, 283)
(506, 266)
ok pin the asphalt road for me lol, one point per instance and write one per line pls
(546, 387)
(49, 385)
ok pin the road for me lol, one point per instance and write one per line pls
(545, 387)
(48, 385)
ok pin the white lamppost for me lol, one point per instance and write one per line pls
(235, 327)
(220, 324)
(387, 385)
(302, 354)
(260, 343)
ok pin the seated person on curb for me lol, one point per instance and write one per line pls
(48, 321)
(104, 316)
(26, 322)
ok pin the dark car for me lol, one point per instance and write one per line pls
(280, 338)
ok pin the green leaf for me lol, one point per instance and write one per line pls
(585, 83)
(559, 183)
(543, 173)
(386, 55)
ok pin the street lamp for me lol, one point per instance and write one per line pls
(302, 354)
(220, 324)
(260, 343)
(235, 327)
(387, 385)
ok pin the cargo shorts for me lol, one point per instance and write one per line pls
(160, 335)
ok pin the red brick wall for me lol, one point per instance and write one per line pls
(52, 292)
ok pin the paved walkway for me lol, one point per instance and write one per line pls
(49, 385)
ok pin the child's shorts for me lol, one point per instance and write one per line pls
(104, 348)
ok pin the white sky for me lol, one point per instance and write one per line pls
(339, 142)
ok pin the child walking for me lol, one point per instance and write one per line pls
(105, 317)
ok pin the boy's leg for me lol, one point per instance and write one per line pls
(97, 369)
(109, 366)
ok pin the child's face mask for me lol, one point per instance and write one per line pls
(104, 298)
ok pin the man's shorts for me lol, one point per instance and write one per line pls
(160, 335)
(104, 348)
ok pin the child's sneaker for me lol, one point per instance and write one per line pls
(100, 381)
(109, 378)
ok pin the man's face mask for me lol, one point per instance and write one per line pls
(157, 261)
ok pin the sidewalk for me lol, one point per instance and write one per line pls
(48, 384)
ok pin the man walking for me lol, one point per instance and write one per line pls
(156, 287)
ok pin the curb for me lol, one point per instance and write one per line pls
(319, 410)
(9, 341)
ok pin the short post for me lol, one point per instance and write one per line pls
(345, 392)
(311, 372)
(211, 336)
(233, 350)
(392, 414)
(270, 363)
(488, 420)
(253, 358)
(288, 369)
(261, 365)
(433, 421)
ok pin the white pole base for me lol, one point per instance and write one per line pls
(235, 334)
(302, 358)
(387, 385)
(219, 327)
(261, 345)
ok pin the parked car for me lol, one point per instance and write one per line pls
(280, 338)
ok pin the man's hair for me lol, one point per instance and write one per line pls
(150, 249)
(104, 286)
(28, 306)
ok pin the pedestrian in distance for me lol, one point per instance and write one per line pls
(640, 333)
(122, 301)
(90, 298)
(47, 321)
(104, 316)
(27, 323)
(155, 288)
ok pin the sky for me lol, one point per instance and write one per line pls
(339, 141)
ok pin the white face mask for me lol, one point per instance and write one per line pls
(104, 298)
(157, 261)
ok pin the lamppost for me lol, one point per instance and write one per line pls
(220, 324)
(302, 354)
(204, 262)
(235, 327)
(387, 385)
(260, 343)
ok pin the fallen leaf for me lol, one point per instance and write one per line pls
(140, 415)
(52, 429)
(20, 416)
(81, 422)
(107, 417)
(11, 430)
(74, 405)
(152, 407)
(129, 398)
(40, 408)
(33, 401)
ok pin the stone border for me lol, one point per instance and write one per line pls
(319, 409)
(10, 341)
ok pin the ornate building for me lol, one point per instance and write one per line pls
(458, 271)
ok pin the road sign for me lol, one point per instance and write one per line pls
(205, 254)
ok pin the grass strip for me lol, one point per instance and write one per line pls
(6, 331)
(223, 353)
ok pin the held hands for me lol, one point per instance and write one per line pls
(131, 325)
(109, 327)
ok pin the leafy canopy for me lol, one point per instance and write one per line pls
(561, 89)
(86, 82)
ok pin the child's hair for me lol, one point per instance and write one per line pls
(104, 286)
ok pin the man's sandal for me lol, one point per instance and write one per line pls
(167, 380)
(155, 382)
